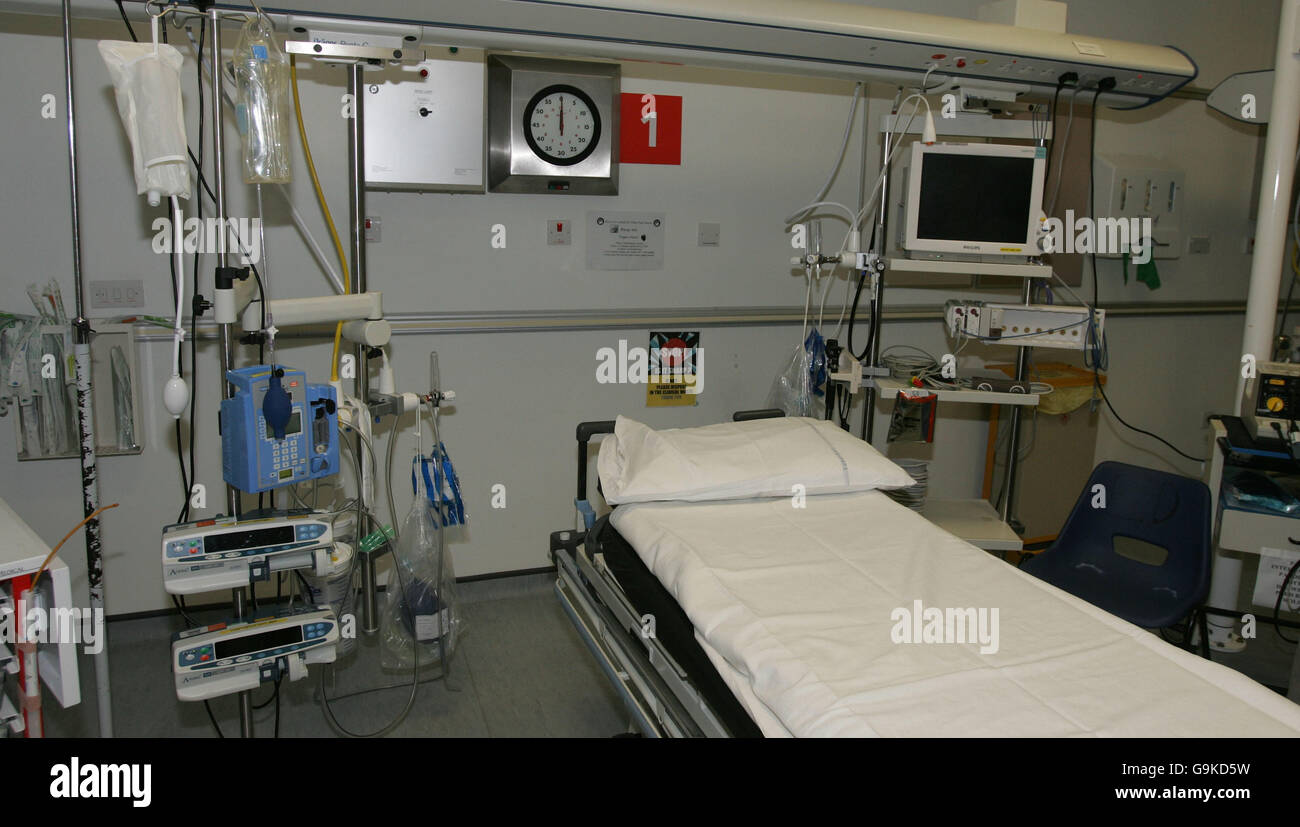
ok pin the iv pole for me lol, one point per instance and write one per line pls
(86, 407)
(239, 597)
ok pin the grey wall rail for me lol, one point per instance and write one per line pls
(542, 321)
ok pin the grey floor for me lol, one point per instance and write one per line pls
(1268, 658)
(520, 670)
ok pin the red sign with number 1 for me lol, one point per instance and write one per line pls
(651, 127)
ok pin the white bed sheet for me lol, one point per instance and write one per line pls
(793, 606)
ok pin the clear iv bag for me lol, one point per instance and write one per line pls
(147, 82)
(263, 88)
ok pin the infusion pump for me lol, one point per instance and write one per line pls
(223, 658)
(230, 552)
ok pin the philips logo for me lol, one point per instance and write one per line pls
(75, 780)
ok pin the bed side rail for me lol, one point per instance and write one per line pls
(586, 432)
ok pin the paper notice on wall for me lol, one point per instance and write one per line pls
(676, 369)
(625, 241)
(1274, 563)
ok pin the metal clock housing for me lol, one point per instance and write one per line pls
(528, 150)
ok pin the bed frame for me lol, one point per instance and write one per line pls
(658, 692)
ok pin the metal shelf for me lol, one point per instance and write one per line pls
(975, 521)
(970, 268)
(889, 389)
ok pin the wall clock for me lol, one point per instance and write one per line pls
(552, 126)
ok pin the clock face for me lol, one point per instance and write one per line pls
(561, 125)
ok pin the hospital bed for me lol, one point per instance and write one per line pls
(747, 617)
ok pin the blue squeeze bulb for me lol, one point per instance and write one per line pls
(277, 406)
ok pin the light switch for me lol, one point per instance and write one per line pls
(559, 232)
(710, 235)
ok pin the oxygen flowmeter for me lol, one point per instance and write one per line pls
(277, 429)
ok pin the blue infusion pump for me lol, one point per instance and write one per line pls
(253, 459)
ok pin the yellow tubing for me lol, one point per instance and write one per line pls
(324, 207)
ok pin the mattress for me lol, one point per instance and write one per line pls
(821, 619)
(673, 628)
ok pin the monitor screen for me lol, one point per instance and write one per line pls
(978, 198)
(234, 647)
(253, 538)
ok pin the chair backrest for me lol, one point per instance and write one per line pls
(1155, 507)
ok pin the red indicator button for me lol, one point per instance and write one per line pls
(206, 657)
(205, 523)
(939, 56)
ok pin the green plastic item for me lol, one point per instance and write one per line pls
(377, 539)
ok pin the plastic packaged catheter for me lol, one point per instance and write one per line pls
(262, 81)
(147, 80)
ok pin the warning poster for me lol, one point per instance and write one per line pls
(676, 374)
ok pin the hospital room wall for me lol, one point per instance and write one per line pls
(756, 145)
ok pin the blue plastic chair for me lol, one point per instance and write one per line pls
(1156, 507)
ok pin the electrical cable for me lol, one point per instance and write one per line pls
(179, 604)
(415, 644)
(269, 698)
(1277, 606)
(194, 291)
(1196, 70)
(1051, 126)
(1099, 361)
(1065, 143)
(213, 719)
(276, 733)
(126, 20)
(183, 516)
(1295, 265)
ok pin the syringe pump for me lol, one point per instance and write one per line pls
(231, 552)
(223, 658)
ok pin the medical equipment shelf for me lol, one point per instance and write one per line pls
(970, 268)
(889, 388)
(975, 521)
(21, 556)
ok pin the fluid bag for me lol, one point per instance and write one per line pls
(262, 104)
(421, 618)
(147, 81)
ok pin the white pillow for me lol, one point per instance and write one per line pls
(737, 460)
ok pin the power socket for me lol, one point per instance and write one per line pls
(111, 294)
